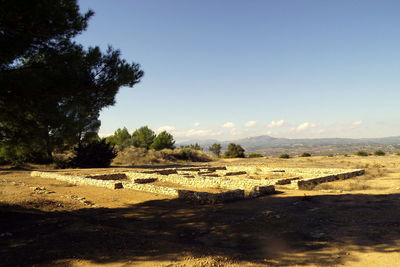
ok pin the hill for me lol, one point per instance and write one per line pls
(319, 146)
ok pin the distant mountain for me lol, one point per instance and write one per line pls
(273, 145)
(203, 143)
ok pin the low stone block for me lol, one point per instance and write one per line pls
(257, 191)
(118, 186)
(234, 173)
(144, 180)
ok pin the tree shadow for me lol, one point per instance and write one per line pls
(269, 230)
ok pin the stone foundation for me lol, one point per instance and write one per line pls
(209, 198)
(212, 178)
(310, 183)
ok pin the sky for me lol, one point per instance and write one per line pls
(218, 69)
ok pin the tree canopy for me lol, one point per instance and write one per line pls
(121, 138)
(52, 89)
(143, 137)
(215, 149)
(234, 151)
(162, 141)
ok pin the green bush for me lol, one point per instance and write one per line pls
(362, 153)
(162, 141)
(139, 156)
(379, 152)
(255, 155)
(215, 149)
(284, 156)
(63, 160)
(195, 146)
(97, 154)
(305, 154)
(234, 151)
(143, 137)
(121, 138)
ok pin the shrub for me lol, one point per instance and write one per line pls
(330, 155)
(96, 154)
(284, 156)
(215, 149)
(162, 141)
(143, 137)
(63, 160)
(379, 152)
(362, 153)
(255, 155)
(234, 151)
(305, 154)
(137, 156)
(191, 155)
(121, 138)
(195, 146)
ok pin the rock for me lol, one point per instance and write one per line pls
(235, 173)
(118, 186)
(6, 234)
(268, 213)
(89, 203)
(145, 180)
(262, 190)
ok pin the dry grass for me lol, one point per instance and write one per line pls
(138, 156)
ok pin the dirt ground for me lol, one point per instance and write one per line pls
(356, 222)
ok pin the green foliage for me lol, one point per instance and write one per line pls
(120, 139)
(97, 154)
(215, 149)
(234, 151)
(191, 155)
(195, 146)
(162, 141)
(379, 152)
(362, 153)
(140, 156)
(284, 156)
(30, 26)
(55, 87)
(20, 153)
(255, 155)
(143, 137)
(305, 154)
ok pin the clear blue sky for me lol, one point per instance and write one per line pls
(283, 68)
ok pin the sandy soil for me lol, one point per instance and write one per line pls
(347, 223)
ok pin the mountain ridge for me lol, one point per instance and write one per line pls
(266, 143)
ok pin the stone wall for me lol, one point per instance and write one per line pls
(112, 184)
(307, 184)
(204, 197)
(199, 181)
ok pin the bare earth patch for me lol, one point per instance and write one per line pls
(353, 222)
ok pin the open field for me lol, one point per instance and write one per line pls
(352, 222)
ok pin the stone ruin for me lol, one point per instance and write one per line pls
(210, 184)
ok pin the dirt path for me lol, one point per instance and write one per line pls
(47, 222)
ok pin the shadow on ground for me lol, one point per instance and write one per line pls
(269, 230)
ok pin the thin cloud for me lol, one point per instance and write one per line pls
(196, 133)
(305, 126)
(355, 124)
(250, 123)
(196, 124)
(276, 124)
(166, 128)
(228, 125)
